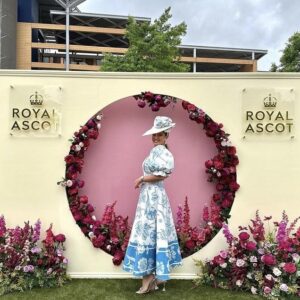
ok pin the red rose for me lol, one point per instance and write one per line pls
(218, 164)
(80, 183)
(98, 241)
(118, 257)
(226, 203)
(244, 236)
(39, 262)
(250, 246)
(72, 192)
(234, 186)
(69, 159)
(290, 268)
(191, 107)
(83, 199)
(90, 208)
(209, 164)
(231, 150)
(184, 104)
(190, 244)
(60, 238)
(268, 259)
(148, 95)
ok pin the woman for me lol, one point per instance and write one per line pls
(153, 246)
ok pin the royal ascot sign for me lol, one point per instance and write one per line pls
(35, 111)
(268, 113)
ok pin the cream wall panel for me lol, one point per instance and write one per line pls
(268, 172)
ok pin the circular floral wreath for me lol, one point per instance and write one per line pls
(112, 232)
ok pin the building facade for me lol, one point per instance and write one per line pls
(50, 35)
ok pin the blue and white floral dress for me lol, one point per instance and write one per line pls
(153, 244)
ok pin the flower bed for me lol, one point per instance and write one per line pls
(24, 264)
(262, 262)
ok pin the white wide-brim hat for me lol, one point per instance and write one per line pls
(161, 123)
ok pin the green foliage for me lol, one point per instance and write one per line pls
(152, 47)
(18, 281)
(290, 59)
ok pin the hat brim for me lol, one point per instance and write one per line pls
(156, 130)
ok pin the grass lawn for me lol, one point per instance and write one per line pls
(121, 289)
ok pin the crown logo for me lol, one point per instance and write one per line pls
(270, 101)
(36, 99)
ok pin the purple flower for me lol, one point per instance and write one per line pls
(2, 226)
(65, 260)
(179, 217)
(28, 268)
(36, 249)
(227, 233)
(36, 231)
(281, 232)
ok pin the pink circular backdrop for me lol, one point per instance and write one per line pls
(114, 160)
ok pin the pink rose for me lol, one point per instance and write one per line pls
(60, 238)
(244, 236)
(250, 246)
(268, 259)
(290, 268)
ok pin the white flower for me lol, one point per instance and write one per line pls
(253, 259)
(284, 287)
(224, 265)
(69, 183)
(276, 272)
(91, 234)
(209, 223)
(240, 263)
(239, 282)
(99, 117)
(231, 259)
(249, 275)
(261, 251)
(98, 125)
(81, 144)
(77, 148)
(253, 290)
(65, 261)
(296, 257)
(108, 247)
(94, 217)
(269, 277)
(281, 265)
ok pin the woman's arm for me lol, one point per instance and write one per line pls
(147, 178)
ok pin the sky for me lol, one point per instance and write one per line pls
(250, 24)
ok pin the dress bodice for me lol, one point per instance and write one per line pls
(160, 162)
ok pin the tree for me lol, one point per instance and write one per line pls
(152, 47)
(290, 59)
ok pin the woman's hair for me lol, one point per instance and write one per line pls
(167, 135)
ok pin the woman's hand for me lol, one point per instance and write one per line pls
(137, 182)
